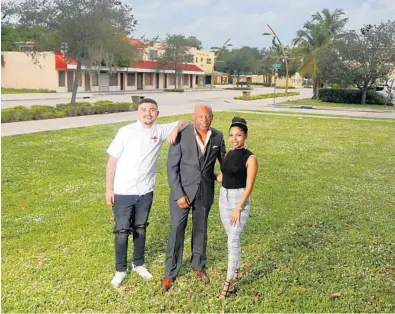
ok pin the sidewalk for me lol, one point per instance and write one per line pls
(264, 105)
(85, 95)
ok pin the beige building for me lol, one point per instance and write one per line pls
(18, 70)
(293, 81)
(204, 60)
(53, 71)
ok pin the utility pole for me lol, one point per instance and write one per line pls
(284, 55)
(217, 53)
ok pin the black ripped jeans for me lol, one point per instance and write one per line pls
(131, 216)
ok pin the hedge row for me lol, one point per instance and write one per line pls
(38, 112)
(350, 96)
(265, 96)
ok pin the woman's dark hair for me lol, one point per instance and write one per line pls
(239, 122)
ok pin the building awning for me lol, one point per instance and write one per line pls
(62, 63)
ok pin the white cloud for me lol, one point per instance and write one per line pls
(371, 12)
(213, 21)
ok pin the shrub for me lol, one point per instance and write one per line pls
(37, 112)
(350, 96)
(53, 114)
(14, 114)
(125, 106)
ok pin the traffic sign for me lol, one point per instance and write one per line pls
(276, 65)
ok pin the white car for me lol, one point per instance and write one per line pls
(388, 90)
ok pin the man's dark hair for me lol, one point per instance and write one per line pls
(147, 101)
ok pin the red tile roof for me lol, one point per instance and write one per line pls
(153, 65)
(136, 42)
(61, 62)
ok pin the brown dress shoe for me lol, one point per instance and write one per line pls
(167, 283)
(202, 275)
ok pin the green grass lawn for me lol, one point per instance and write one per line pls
(319, 103)
(24, 91)
(321, 235)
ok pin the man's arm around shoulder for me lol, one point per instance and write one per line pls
(181, 125)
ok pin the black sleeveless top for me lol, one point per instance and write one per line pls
(234, 170)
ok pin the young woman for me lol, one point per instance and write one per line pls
(239, 170)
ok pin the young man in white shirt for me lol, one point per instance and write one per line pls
(130, 181)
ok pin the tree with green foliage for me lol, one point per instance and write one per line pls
(177, 52)
(194, 42)
(92, 32)
(361, 57)
(245, 60)
(324, 28)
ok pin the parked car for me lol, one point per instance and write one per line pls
(388, 91)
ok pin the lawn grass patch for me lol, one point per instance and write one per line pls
(238, 88)
(5, 90)
(320, 103)
(320, 236)
(174, 90)
(266, 96)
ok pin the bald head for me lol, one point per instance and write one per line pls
(202, 117)
(203, 106)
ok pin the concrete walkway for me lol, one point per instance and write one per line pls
(90, 95)
(187, 106)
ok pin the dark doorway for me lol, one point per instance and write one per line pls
(164, 80)
(139, 80)
(70, 77)
(191, 81)
(122, 81)
(157, 80)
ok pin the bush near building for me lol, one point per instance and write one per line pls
(350, 96)
(39, 112)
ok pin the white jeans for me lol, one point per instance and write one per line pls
(228, 199)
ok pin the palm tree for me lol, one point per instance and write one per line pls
(324, 28)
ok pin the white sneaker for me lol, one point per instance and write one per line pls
(118, 278)
(142, 271)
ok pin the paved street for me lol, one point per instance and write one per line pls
(164, 99)
(174, 104)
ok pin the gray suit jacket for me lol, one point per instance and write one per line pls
(186, 172)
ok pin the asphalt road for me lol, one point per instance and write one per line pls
(174, 104)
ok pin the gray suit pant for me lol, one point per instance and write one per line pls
(175, 244)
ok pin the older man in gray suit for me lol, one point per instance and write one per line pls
(190, 169)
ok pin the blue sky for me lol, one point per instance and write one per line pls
(214, 21)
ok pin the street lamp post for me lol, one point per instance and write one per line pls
(284, 55)
(217, 52)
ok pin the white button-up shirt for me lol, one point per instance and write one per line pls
(202, 145)
(137, 150)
